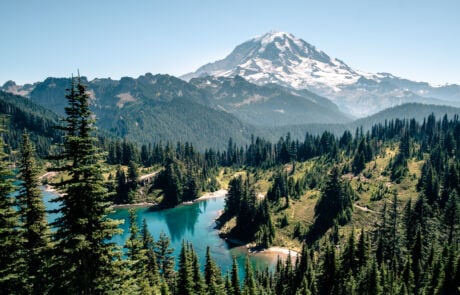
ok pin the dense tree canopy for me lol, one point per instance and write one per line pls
(411, 248)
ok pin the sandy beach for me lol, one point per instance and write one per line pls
(271, 253)
(206, 196)
(217, 194)
(141, 204)
(275, 251)
(49, 188)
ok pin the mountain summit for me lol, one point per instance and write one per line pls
(282, 58)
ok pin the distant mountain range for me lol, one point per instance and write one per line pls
(164, 108)
(172, 119)
(283, 59)
(267, 86)
(268, 105)
(148, 109)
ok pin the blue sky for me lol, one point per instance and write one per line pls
(418, 40)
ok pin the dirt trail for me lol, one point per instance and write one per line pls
(364, 208)
(146, 176)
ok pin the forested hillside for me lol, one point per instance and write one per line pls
(207, 111)
(19, 114)
(144, 150)
(371, 213)
(372, 202)
(366, 212)
(150, 108)
(417, 111)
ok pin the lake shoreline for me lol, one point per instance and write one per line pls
(250, 248)
(275, 250)
(154, 206)
(273, 253)
(134, 205)
(50, 188)
(200, 231)
(210, 195)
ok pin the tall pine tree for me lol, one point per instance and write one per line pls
(83, 253)
(33, 215)
(11, 270)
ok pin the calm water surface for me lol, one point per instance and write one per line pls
(194, 223)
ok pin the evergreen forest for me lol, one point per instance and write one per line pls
(367, 212)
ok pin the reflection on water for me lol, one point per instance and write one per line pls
(181, 221)
(193, 222)
(190, 222)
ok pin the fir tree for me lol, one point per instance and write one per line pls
(148, 244)
(349, 255)
(212, 275)
(11, 261)
(302, 267)
(234, 197)
(328, 279)
(137, 261)
(303, 289)
(250, 287)
(36, 231)
(198, 283)
(358, 163)
(132, 180)
(185, 274)
(399, 166)
(84, 255)
(335, 205)
(165, 259)
(374, 287)
(172, 187)
(228, 285)
(394, 251)
(122, 190)
(449, 285)
(363, 248)
(409, 228)
(191, 189)
(235, 278)
(452, 217)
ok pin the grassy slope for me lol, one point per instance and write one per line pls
(366, 211)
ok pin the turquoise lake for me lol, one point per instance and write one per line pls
(194, 223)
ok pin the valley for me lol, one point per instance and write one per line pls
(275, 170)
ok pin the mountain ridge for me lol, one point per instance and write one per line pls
(150, 108)
(122, 105)
(282, 58)
(270, 104)
(193, 122)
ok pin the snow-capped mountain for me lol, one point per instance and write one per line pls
(281, 58)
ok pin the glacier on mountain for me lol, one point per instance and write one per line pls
(282, 58)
